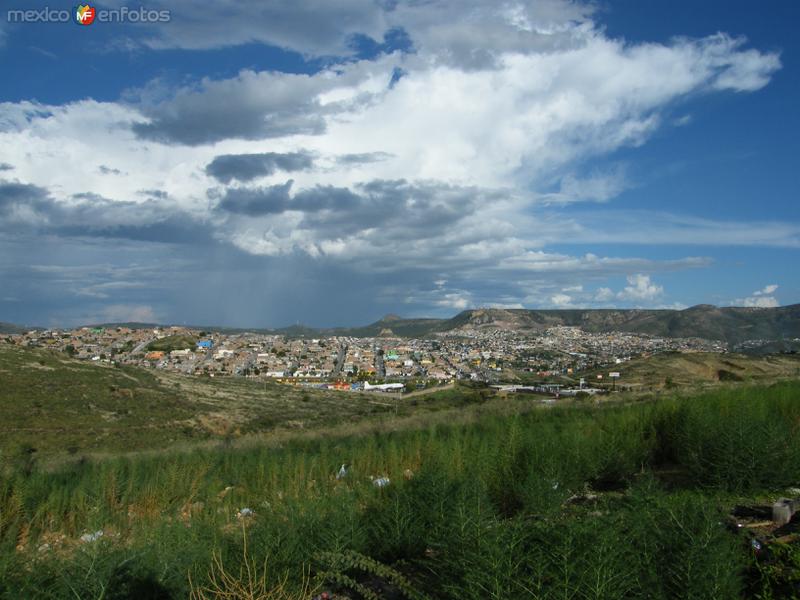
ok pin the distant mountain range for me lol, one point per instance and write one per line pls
(729, 324)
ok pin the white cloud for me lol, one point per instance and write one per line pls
(682, 121)
(470, 143)
(560, 300)
(649, 227)
(603, 294)
(597, 187)
(770, 289)
(640, 288)
(505, 305)
(458, 301)
(762, 298)
(469, 33)
(758, 302)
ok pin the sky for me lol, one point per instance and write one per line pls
(260, 164)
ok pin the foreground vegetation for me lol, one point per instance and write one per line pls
(614, 501)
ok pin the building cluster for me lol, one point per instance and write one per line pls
(343, 362)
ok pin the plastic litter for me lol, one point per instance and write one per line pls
(380, 482)
(342, 472)
(756, 545)
(783, 510)
(92, 537)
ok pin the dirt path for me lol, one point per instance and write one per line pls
(449, 386)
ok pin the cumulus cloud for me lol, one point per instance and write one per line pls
(472, 34)
(603, 294)
(457, 301)
(762, 298)
(561, 300)
(640, 288)
(770, 289)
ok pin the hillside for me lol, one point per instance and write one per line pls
(693, 369)
(56, 404)
(392, 325)
(730, 324)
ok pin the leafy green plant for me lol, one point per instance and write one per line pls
(348, 569)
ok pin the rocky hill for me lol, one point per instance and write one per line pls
(730, 324)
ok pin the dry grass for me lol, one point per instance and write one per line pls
(250, 583)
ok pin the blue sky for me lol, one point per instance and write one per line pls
(328, 163)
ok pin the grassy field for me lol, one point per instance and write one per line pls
(618, 500)
(52, 403)
(55, 406)
(173, 342)
(674, 369)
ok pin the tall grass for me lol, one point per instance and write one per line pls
(493, 509)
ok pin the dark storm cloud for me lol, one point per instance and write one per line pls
(399, 208)
(379, 202)
(245, 167)
(22, 201)
(257, 201)
(326, 197)
(91, 215)
(6, 167)
(249, 106)
(173, 230)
